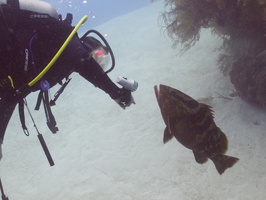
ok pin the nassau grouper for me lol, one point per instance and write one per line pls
(193, 126)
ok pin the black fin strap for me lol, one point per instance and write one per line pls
(38, 104)
(22, 117)
(59, 92)
(51, 123)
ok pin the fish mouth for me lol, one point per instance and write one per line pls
(159, 90)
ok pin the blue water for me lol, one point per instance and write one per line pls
(99, 11)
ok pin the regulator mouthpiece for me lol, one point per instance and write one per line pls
(128, 84)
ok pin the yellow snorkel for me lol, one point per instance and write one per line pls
(60, 51)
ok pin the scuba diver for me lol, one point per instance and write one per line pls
(31, 34)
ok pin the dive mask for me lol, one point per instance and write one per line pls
(98, 51)
(101, 56)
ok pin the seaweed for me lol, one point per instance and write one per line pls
(235, 18)
(185, 18)
(242, 26)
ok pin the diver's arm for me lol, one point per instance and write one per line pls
(93, 72)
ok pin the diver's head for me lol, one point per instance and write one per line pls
(98, 51)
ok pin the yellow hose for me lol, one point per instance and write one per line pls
(11, 81)
(60, 51)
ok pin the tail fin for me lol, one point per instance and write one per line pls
(222, 162)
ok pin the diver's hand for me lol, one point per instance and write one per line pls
(125, 98)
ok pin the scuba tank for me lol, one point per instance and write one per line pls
(33, 6)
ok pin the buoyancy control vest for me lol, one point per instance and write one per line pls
(20, 21)
(34, 14)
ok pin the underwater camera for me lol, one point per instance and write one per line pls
(128, 84)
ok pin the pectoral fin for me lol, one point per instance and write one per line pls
(167, 135)
(171, 123)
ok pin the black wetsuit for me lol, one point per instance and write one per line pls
(29, 47)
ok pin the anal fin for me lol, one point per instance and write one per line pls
(200, 158)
